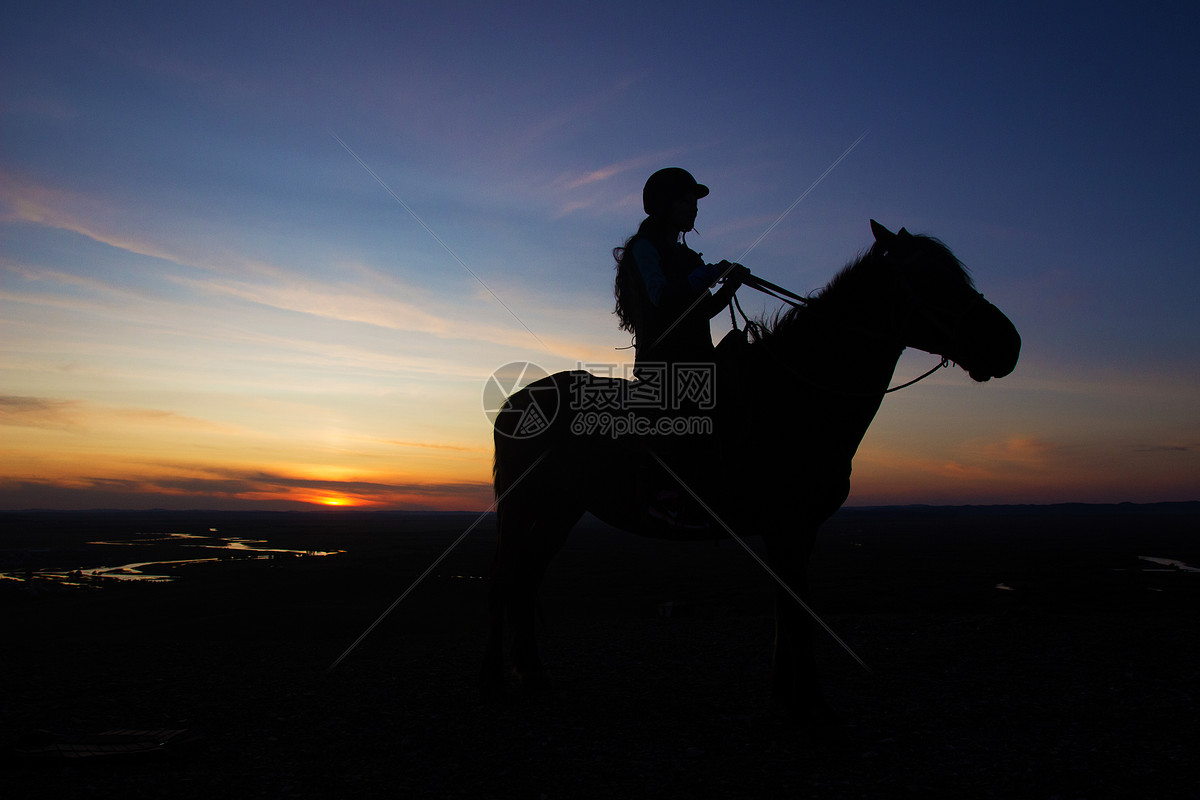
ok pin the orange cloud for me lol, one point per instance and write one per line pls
(1025, 469)
(1025, 451)
(190, 487)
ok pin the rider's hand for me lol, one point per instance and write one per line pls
(733, 273)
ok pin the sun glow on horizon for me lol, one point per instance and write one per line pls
(339, 502)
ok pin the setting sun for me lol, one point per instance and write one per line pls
(339, 501)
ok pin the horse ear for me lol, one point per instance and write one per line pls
(882, 235)
(903, 234)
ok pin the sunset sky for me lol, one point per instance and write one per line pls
(266, 255)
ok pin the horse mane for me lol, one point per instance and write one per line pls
(846, 284)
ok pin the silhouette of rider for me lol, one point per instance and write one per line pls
(663, 299)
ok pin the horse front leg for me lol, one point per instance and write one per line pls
(794, 681)
(511, 660)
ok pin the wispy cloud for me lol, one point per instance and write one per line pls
(585, 108)
(370, 298)
(38, 412)
(612, 170)
(1168, 448)
(383, 307)
(578, 191)
(24, 200)
(461, 448)
(339, 302)
(59, 414)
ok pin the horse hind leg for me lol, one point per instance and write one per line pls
(527, 543)
(795, 682)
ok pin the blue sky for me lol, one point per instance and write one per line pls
(207, 299)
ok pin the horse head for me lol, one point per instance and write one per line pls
(939, 310)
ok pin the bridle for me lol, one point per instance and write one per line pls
(917, 304)
(894, 261)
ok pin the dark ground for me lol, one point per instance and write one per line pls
(1082, 682)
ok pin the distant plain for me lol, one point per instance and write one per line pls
(1034, 651)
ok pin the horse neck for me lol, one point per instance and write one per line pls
(835, 371)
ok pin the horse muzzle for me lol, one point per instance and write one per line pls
(991, 344)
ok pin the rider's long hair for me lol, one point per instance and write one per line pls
(629, 291)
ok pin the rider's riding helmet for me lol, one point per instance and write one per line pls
(666, 186)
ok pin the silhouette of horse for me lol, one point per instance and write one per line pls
(800, 392)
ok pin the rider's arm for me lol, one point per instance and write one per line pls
(732, 273)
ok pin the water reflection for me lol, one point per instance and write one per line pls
(229, 547)
(1168, 564)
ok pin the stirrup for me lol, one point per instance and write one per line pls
(674, 518)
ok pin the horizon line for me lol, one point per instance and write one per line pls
(359, 510)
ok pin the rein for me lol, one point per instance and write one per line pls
(945, 362)
(795, 300)
(778, 292)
